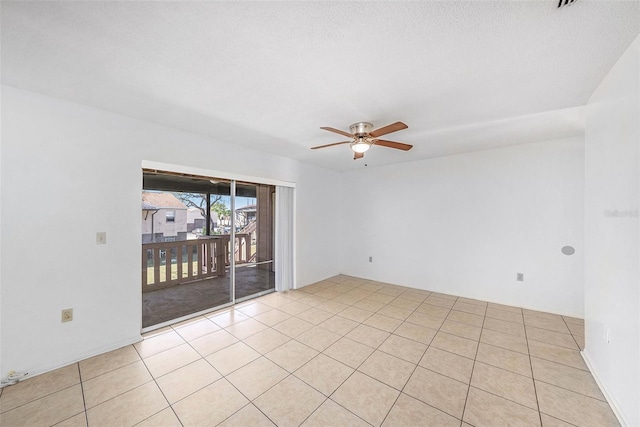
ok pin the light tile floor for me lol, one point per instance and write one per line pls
(341, 352)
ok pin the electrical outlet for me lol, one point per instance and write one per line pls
(67, 315)
(520, 277)
(101, 238)
(370, 259)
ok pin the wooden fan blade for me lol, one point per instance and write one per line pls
(357, 156)
(392, 144)
(394, 127)
(347, 134)
(331, 145)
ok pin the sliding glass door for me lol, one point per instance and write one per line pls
(255, 213)
(207, 242)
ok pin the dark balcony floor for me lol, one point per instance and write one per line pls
(167, 304)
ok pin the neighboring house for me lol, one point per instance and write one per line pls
(245, 215)
(164, 218)
(196, 222)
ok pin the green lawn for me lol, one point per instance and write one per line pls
(174, 272)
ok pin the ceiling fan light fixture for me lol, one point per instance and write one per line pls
(360, 146)
(362, 137)
(361, 128)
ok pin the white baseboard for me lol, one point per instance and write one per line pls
(95, 352)
(607, 395)
(480, 298)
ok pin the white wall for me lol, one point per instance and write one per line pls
(2, 375)
(612, 280)
(69, 171)
(466, 224)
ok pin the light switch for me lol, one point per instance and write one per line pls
(101, 238)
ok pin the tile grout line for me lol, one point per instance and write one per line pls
(158, 385)
(402, 391)
(375, 349)
(356, 369)
(39, 398)
(416, 368)
(572, 336)
(249, 401)
(533, 378)
(326, 355)
(289, 374)
(312, 307)
(84, 402)
(81, 383)
(337, 403)
(124, 392)
(367, 358)
(515, 373)
(209, 363)
(473, 367)
(573, 391)
(328, 397)
(555, 361)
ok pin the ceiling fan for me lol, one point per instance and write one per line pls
(362, 138)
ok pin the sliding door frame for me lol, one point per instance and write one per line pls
(233, 178)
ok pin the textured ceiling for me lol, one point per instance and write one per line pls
(464, 75)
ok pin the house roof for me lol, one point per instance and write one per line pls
(154, 200)
(247, 208)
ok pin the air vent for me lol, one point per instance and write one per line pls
(562, 3)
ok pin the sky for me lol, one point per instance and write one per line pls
(240, 201)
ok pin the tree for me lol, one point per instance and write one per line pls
(199, 201)
(221, 210)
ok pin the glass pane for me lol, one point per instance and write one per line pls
(185, 262)
(254, 243)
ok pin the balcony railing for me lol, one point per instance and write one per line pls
(167, 264)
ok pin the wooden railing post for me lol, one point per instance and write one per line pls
(220, 251)
(200, 259)
(189, 261)
(179, 261)
(156, 265)
(167, 264)
(209, 253)
(144, 269)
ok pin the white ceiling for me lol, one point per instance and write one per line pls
(463, 75)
